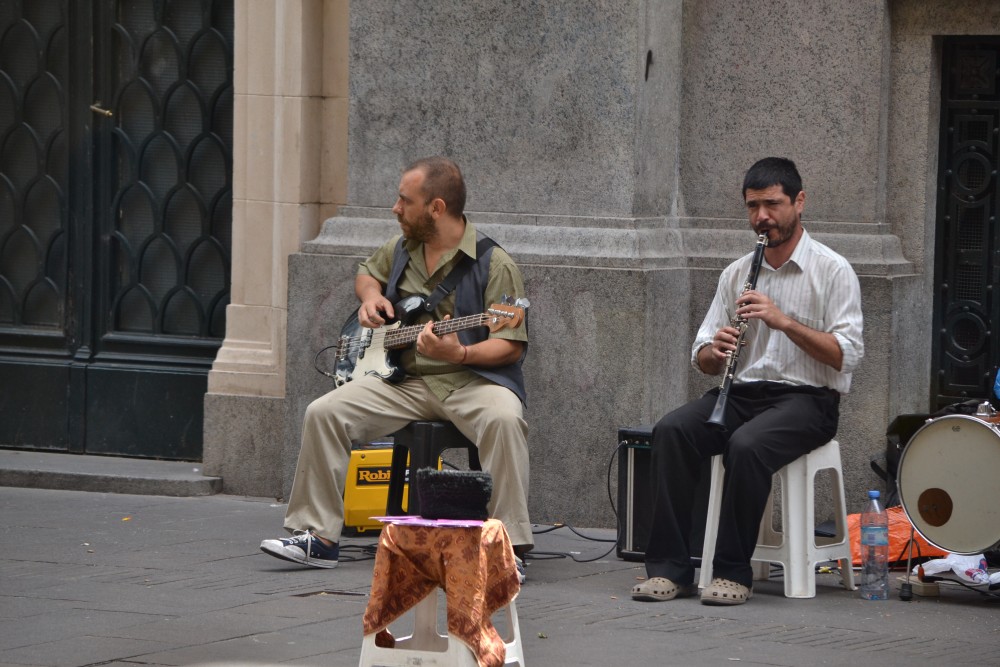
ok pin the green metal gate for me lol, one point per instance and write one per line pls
(115, 221)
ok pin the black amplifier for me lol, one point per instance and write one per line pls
(635, 496)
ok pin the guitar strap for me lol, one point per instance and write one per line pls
(446, 286)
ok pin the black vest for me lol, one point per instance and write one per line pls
(468, 301)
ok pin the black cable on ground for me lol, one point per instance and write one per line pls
(551, 555)
(554, 555)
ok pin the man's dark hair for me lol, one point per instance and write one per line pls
(773, 171)
(442, 180)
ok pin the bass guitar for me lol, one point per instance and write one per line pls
(376, 351)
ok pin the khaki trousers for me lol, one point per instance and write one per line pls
(368, 408)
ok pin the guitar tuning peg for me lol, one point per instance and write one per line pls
(522, 303)
(507, 300)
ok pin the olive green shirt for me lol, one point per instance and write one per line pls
(504, 279)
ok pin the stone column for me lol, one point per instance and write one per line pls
(289, 162)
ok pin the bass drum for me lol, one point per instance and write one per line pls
(949, 483)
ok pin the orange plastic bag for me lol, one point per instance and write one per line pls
(899, 537)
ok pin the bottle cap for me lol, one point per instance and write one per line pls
(873, 494)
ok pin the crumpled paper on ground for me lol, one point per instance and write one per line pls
(971, 569)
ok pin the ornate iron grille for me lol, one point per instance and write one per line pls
(115, 221)
(33, 159)
(171, 208)
(966, 309)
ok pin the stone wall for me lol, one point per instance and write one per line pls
(604, 144)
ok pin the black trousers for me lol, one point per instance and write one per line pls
(768, 425)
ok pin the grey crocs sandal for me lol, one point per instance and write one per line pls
(659, 589)
(725, 592)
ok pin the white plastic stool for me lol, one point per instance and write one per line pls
(796, 548)
(428, 648)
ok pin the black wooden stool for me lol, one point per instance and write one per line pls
(424, 441)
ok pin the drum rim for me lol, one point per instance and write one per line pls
(899, 481)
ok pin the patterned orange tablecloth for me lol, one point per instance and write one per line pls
(474, 566)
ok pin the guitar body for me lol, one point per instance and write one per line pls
(368, 354)
(376, 351)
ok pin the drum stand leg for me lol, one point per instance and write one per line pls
(905, 590)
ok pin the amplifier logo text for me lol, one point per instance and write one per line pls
(373, 475)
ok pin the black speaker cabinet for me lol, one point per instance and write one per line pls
(635, 496)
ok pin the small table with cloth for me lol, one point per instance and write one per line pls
(474, 565)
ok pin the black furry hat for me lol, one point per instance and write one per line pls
(453, 494)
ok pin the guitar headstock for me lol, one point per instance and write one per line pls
(506, 315)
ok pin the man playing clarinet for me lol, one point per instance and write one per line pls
(790, 339)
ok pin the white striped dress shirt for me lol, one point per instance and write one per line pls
(816, 287)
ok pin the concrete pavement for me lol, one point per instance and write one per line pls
(94, 578)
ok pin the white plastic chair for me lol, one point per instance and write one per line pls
(795, 547)
(429, 648)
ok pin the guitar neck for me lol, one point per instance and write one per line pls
(404, 336)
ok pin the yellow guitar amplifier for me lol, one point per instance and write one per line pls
(367, 487)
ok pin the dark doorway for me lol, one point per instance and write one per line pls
(115, 221)
(966, 309)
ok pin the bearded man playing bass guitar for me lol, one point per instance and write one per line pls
(471, 378)
(803, 340)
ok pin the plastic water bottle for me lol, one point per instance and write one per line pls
(874, 550)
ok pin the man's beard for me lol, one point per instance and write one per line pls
(422, 229)
(777, 234)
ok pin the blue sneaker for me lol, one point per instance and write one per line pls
(302, 547)
(520, 570)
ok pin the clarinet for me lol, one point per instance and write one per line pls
(718, 417)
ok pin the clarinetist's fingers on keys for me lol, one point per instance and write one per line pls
(725, 339)
(748, 300)
(760, 307)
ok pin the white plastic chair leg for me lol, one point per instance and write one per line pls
(711, 521)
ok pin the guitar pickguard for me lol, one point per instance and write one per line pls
(372, 358)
